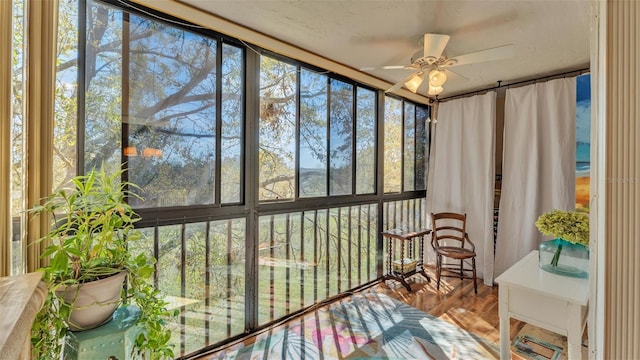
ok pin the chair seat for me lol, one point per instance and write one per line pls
(455, 252)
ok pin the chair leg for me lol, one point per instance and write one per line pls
(475, 283)
(438, 270)
(461, 269)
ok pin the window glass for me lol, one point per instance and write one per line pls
(157, 85)
(365, 141)
(103, 83)
(422, 131)
(409, 146)
(66, 95)
(277, 130)
(172, 87)
(313, 134)
(341, 149)
(392, 145)
(231, 162)
(17, 138)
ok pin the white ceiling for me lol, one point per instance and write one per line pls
(549, 36)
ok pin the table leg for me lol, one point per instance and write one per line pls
(389, 257)
(399, 279)
(391, 274)
(421, 260)
(503, 311)
(575, 327)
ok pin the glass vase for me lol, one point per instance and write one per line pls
(561, 257)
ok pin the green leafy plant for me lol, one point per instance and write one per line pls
(93, 227)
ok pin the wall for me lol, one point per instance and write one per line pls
(621, 244)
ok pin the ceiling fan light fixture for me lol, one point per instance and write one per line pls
(414, 83)
(435, 90)
(437, 78)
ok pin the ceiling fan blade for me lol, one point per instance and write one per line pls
(388, 67)
(434, 45)
(455, 74)
(497, 53)
(395, 87)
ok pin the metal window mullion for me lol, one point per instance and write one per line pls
(218, 130)
(315, 256)
(354, 137)
(302, 258)
(380, 135)
(405, 217)
(359, 246)
(125, 88)
(369, 241)
(349, 242)
(296, 177)
(82, 84)
(379, 153)
(415, 219)
(328, 142)
(339, 247)
(402, 148)
(183, 293)
(327, 252)
(250, 188)
(272, 246)
(207, 281)
(156, 254)
(229, 273)
(367, 237)
(422, 218)
(287, 269)
(415, 147)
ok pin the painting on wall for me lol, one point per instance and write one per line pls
(583, 140)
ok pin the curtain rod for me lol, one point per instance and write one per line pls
(500, 85)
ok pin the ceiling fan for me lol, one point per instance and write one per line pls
(431, 62)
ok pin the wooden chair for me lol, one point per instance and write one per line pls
(450, 240)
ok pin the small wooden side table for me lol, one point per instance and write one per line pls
(407, 263)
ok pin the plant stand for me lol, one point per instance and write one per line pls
(113, 340)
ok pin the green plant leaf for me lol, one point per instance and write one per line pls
(48, 251)
(59, 262)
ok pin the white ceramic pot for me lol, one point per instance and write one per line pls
(94, 302)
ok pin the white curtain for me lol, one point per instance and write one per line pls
(462, 171)
(538, 166)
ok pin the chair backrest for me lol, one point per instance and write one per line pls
(448, 228)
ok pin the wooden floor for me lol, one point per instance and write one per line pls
(455, 302)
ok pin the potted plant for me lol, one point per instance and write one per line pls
(92, 229)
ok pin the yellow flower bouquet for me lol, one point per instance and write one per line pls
(572, 226)
(571, 230)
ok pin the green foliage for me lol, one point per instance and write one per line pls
(89, 240)
(572, 226)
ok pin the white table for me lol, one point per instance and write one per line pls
(21, 297)
(553, 302)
